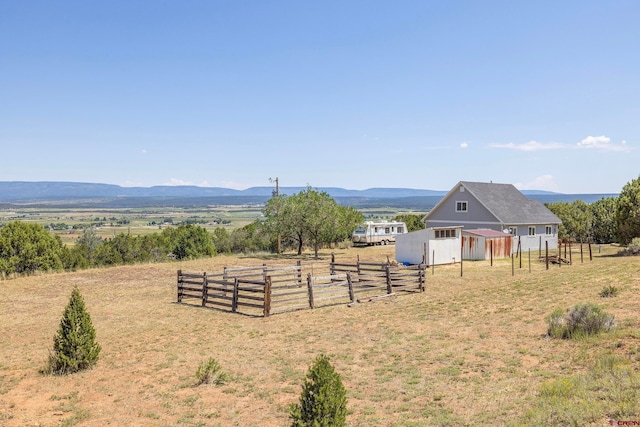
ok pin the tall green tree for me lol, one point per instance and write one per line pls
(26, 248)
(188, 241)
(413, 221)
(627, 215)
(74, 346)
(576, 219)
(604, 227)
(309, 217)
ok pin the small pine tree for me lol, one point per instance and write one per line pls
(74, 346)
(323, 402)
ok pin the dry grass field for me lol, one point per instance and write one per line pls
(470, 350)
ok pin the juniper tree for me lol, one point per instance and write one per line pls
(323, 402)
(74, 346)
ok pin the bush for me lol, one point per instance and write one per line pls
(632, 249)
(324, 399)
(609, 291)
(580, 320)
(210, 372)
(74, 346)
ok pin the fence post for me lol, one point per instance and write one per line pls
(310, 289)
(358, 264)
(352, 295)
(205, 289)
(546, 253)
(570, 257)
(423, 277)
(520, 250)
(461, 257)
(179, 285)
(490, 250)
(234, 301)
(433, 262)
(299, 275)
(512, 265)
(581, 255)
(590, 253)
(267, 296)
(560, 253)
(388, 274)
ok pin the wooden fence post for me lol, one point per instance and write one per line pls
(546, 253)
(512, 265)
(310, 289)
(179, 285)
(491, 250)
(433, 262)
(520, 251)
(560, 254)
(423, 277)
(352, 295)
(267, 296)
(299, 275)
(205, 289)
(461, 256)
(388, 274)
(590, 253)
(570, 257)
(234, 301)
(581, 254)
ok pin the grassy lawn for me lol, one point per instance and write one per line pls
(470, 350)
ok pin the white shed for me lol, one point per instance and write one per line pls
(432, 246)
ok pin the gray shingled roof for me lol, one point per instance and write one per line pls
(509, 205)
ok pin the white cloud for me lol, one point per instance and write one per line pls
(530, 146)
(233, 185)
(544, 182)
(176, 182)
(595, 141)
(464, 145)
(602, 143)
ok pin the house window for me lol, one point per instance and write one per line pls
(532, 231)
(548, 230)
(513, 231)
(461, 206)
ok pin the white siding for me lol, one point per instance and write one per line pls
(412, 247)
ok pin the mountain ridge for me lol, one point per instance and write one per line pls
(52, 190)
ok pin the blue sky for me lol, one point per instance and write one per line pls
(354, 94)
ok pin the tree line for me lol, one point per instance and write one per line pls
(608, 220)
(289, 223)
(309, 218)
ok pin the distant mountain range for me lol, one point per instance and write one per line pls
(78, 193)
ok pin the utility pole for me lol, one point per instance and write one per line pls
(276, 193)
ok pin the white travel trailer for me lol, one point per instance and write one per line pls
(378, 233)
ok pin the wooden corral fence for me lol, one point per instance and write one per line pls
(269, 290)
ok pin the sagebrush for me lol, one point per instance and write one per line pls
(580, 320)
